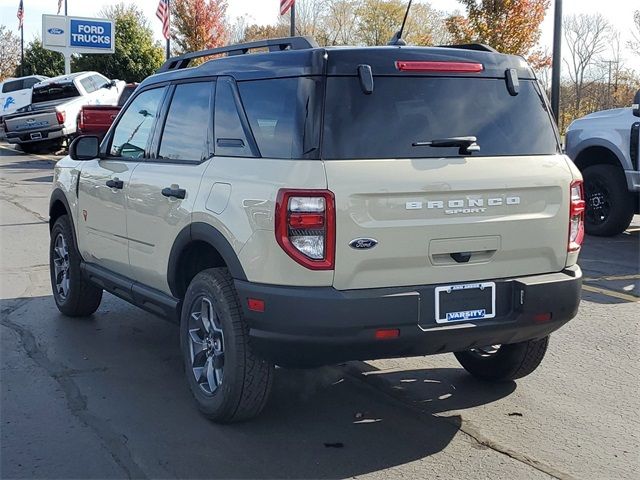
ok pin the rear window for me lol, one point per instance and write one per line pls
(126, 93)
(402, 111)
(54, 91)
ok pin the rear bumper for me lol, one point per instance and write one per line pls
(26, 137)
(312, 326)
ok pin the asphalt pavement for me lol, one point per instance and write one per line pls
(105, 397)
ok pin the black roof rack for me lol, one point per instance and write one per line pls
(480, 47)
(273, 44)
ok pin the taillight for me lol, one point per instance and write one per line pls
(576, 216)
(456, 67)
(81, 121)
(306, 227)
(61, 117)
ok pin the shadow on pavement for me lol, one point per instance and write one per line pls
(319, 423)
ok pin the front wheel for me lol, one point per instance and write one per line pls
(74, 296)
(228, 381)
(504, 362)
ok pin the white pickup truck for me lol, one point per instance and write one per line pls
(605, 146)
(51, 117)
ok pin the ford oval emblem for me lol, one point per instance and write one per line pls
(55, 31)
(363, 243)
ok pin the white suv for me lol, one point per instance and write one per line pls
(309, 206)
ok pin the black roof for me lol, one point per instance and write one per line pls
(305, 59)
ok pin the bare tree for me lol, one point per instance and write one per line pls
(634, 43)
(9, 52)
(586, 37)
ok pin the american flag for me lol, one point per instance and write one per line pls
(163, 14)
(285, 5)
(59, 6)
(20, 15)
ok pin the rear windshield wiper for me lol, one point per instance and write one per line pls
(467, 145)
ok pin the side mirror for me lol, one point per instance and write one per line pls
(636, 104)
(85, 147)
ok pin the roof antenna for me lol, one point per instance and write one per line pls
(397, 38)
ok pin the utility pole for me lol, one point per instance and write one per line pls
(293, 19)
(557, 60)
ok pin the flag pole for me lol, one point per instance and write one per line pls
(293, 19)
(65, 8)
(22, 50)
(169, 38)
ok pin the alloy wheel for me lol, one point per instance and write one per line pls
(598, 204)
(61, 266)
(206, 345)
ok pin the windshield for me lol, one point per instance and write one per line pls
(403, 111)
(54, 91)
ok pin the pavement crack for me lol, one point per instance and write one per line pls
(112, 441)
(14, 202)
(467, 428)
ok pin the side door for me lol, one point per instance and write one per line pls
(102, 229)
(163, 189)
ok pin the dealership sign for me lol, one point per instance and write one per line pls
(77, 35)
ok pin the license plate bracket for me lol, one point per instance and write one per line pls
(465, 302)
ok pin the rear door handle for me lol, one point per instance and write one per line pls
(115, 183)
(174, 191)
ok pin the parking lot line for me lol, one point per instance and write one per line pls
(613, 277)
(611, 293)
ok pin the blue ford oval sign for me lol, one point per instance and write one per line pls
(363, 243)
(55, 31)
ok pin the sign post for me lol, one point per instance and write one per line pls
(69, 35)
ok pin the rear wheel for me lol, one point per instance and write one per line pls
(228, 381)
(74, 296)
(610, 205)
(504, 362)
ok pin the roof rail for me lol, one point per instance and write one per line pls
(273, 44)
(481, 47)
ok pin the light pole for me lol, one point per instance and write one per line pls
(557, 60)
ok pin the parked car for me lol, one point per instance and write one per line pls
(605, 146)
(96, 119)
(15, 93)
(309, 206)
(51, 117)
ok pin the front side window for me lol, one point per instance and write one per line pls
(131, 135)
(30, 82)
(186, 129)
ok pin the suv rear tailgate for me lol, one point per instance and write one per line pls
(508, 215)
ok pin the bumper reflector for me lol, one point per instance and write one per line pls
(256, 305)
(386, 333)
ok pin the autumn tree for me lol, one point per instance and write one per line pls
(509, 26)
(263, 32)
(198, 25)
(9, 52)
(136, 54)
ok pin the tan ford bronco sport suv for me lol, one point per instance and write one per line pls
(305, 206)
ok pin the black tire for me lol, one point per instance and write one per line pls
(81, 298)
(509, 362)
(610, 205)
(240, 381)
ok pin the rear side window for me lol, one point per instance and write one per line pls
(405, 110)
(231, 138)
(282, 115)
(131, 134)
(54, 91)
(30, 82)
(88, 85)
(186, 129)
(126, 93)
(12, 86)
